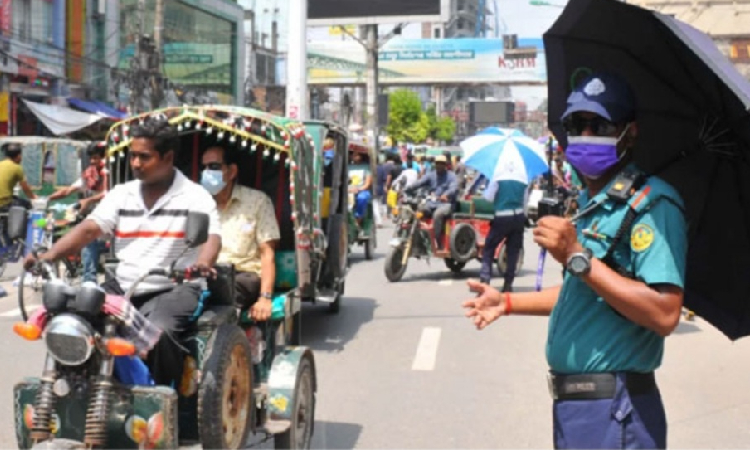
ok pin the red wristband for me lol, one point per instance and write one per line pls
(507, 304)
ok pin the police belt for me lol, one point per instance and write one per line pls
(593, 386)
(508, 212)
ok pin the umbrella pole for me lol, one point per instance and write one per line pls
(550, 192)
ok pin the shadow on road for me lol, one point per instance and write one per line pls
(336, 435)
(327, 332)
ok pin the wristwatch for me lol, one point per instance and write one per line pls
(579, 264)
(267, 295)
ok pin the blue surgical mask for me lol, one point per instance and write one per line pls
(213, 181)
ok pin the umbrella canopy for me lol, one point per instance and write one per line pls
(693, 131)
(501, 156)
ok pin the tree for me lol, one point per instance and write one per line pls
(445, 129)
(405, 117)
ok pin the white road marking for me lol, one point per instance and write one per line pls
(447, 282)
(11, 313)
(427, 349)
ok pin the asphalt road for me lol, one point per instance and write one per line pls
(400, 367)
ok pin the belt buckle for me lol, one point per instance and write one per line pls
(551, 386)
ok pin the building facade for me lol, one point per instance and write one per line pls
(203, 48)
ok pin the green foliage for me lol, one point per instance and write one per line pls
(404, 115)
(445, 129)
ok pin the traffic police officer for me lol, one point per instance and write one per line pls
(508, 197)
(623, 291)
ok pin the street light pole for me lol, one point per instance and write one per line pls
(296, 83)
(157, 85)
(135, 63)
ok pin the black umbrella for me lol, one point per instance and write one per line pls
(694, 131)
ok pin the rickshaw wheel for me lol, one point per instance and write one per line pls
(394, 269)
(335, 306)
(454, 266)
(225, 394)
(502, 261)
(299, 434)
(463, 242)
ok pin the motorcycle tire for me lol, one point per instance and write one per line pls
(227, 365)
(463, 242)
(454, 266)
(394, 269)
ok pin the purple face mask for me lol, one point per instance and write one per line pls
(593, 155)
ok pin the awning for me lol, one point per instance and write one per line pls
(61, 120)
(95, 107)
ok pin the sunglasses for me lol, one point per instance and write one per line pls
(212, 166)
(575, 126)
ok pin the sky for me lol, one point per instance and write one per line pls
(517, 17)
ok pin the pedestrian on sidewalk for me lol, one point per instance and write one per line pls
(623, 291)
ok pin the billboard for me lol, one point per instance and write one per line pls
(430, 61)
(363, 12)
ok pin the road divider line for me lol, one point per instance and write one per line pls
(445, 282)
(427, 349)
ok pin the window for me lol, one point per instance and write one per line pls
(437, 33)
(22, 19)
(460, 5)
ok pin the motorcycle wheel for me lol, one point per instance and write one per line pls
(299, 434)
(225, 396)
(394, 269)
(59, 444)
(502, 261)
(454, 266)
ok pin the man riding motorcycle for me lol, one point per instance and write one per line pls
(444, 184)
(147, 218)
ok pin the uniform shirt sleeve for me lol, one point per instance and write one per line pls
(658, 242)
(106, 212)
(268, 228)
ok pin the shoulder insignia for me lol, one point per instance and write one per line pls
(641, 238)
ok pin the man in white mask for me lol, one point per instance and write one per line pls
(248, 228)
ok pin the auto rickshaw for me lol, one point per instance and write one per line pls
(333, 206)
(241, 377)
(362, 232)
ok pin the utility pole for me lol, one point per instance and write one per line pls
(157, 83)
(136, 68)
(297, 99)
(372, 86)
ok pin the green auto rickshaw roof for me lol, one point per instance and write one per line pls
(246, 125)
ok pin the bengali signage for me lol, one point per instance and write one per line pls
(426, 61)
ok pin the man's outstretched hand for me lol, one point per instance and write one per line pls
(487, 307)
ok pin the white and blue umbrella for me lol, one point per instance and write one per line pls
(504, 154)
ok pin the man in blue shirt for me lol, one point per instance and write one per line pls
(508, 225)
(443, 184)
(621, 296)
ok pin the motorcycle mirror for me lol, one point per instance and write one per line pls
(18, 218)
(196, 229)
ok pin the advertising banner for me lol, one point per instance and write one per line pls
(430, 61)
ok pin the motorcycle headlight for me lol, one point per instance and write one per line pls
(69, 340)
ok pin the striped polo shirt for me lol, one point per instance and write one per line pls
(149, 239)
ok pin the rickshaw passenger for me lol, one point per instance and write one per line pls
(443, 184)
(249, 231)
(363, 195)
(147, 217)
